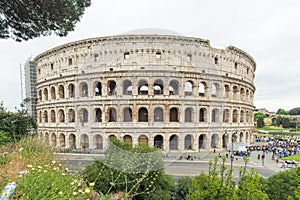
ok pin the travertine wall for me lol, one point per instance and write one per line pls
(175, 92)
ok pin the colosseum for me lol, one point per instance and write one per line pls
(148, 86)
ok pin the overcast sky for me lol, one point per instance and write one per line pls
(268, 30)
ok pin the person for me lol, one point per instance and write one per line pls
(258, 156)
(277, 160)
(220, 155)
(214, 150)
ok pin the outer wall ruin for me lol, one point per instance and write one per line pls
(175, 92)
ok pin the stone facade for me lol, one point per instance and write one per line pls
(175, 92)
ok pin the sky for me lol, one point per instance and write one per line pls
(268, 30)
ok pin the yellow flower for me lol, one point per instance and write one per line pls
(29, 166)
(87, 190)
(53, 161)
(75, 193)
(45, 171)
(80, 191)
(72, 183)
(3, 193)
(60, 193)
(39, 167)
(63, 174)
(79, 183)
(92, 184)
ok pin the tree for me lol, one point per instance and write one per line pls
(295, 111)
(28, 19)
(286, 123)
(281, 112)
(258, 114)
(260, 122)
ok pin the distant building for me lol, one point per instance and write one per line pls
(30, 87)
(265, 111)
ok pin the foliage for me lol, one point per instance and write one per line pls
(257, 115)
(181, 188)
(15, 125)
(51, 181)
(283, 185)
(4, 138)
(281, 112)
(23, 19)
(295, 157)
(285, 123)
(295, 111)
(136, 171)
(260, 122)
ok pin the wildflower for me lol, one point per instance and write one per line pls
(72, 183)
(45, 171)
(87, 190)
(29, 166)
(59, 164)
(3, 193)
(39, 167)
(92, 184)
(21, 149)
(80, 191)
(53, 161)
(60, 193)
(54, 168)
(75, 193)
(79, 184)
(67, 169)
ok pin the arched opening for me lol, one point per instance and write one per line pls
(98, 89)
(247, 137)
(227, 91)
(71, 115)
(61, 92)
(45, 116)
(203, 115)
(213, 90)
(84, 141)
(235, 116)
(127, 139)
(214, 141)
(234, 137)
(72, 141)
(61, 115)
(158, 87)
(52, 116)
(241, 137)
(62, 140)
(188, 88)
(45, 93)
(53, 139)
(83, 115)
(40, 95)
(127, 114)
(98, 142)
(247, 116)
(225, 140)
(112, 115)
(143, 87)
(112, 137)
(52, 92)
(98, 115)
(242, 116)
(173, 87)
(188, 142)
(127, 87)
(226, 115)
(242, 94)
(47, 138)
(202, 89)
(143, 115)
(158, 114)
(247, 95)
(112, 88)
(143, 139)
(188, 115)
(202, 141)
(84, 89)
(174, 115)
(71, 90)
(215, 115)
(173, 142)
(159, 141)
(40, 116)
(235, 92)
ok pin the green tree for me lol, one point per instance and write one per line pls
(257, 115)
(181, 188)
(137, 171)
(286, 123)
(283, 185)
(295, 111)
(260, 122)
(27, 19)
(281, 112)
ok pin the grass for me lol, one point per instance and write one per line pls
(295, 157)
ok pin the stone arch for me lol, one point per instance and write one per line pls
(98, 142)
(127, 114)
(112, 86)
(98, 88)
(62, 140)
(242, 94)
(52, 116)
(72, 141)
(247, 138)
(61, 115)
(158, 87)
(158, 114)
(173, 142)
(45, 93)
(61, 91)
(112, 137)
(127, 87)
(188, 142)
(247, 94)
(226, 115)
(71, 115)
(188, 115)
(174, 87)
(202, 141)
(188, 88)
(98, 115)
(235, 116)
(143, 139)
(143, 87)
(247, 116)
(127, 139)
(53, 139)
(225, 140)
(242, 116)
(53, 93)
(215, 90)
(112, 115)
(202, 115)
(47, 138)
(235, 92)
(84, 90)
(84, 141)
(71, 90)
(83, 115)
(143, 115)
(215, 141)
(202, 89)
(241, 137)
(227, 91)
(40, 95)
(215, 115)
(45, 116)
(174, 115)
(234, 137)
(159, 141)
(40, 116)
